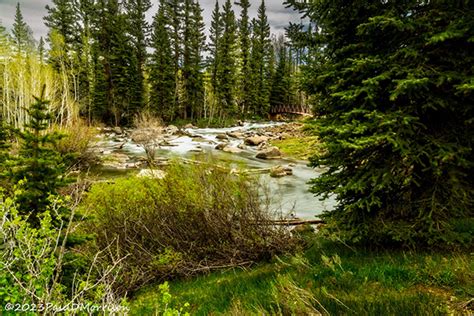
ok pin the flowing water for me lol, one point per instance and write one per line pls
(290, 194)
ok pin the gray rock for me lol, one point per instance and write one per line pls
(190, 126)
(269, 153)
(280, 171)
(117, 130)
(242, 146)
(221, 146)
(221, 137)
(237, 135)
(232, 150)
(255, 140)
(171, 129)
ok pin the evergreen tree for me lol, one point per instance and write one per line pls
(262, 61)
(38, 163)
(41, 50)
(162, 71)
(395, 92)
(63, 18)
(194, 41)
(214, 58)
(174, 14)
(227, 66)
(22, 34)
(139, 31)
(281, 89)
(245, 46)
(4, 146)
(114, 101)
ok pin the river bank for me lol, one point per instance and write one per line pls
(249, 146)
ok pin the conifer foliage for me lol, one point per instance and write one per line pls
(37, 163)
(393, 84)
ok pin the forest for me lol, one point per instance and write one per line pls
(105, 63)
(159, 164)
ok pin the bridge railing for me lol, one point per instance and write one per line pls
(297, 109)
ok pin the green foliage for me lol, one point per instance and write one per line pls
(262, 59)
(391, 82)
(163, 305)
(22, 34)
(245, 82)
(226, 71)
(196, 219)
(329, 278)
(162, 72)
(193, 46)
(37, 162)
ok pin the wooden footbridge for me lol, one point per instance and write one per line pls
(291, 109)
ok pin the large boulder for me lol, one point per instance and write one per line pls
(280, 171)
(221, 136)
(269, 153)
(171, 129)
(255, 140)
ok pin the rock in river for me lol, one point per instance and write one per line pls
(280, 171)
(269, 153)
(255, 140)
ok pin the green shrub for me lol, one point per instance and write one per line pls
(196, 219)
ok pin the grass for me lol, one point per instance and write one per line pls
(300, 148)
(331, 279)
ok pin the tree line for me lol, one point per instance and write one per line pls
(107, 62)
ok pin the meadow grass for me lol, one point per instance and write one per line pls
(330, 278)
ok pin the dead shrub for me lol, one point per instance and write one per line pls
(148, 134)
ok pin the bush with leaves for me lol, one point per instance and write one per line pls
(393, 85)
(197, 219)
(32, 259)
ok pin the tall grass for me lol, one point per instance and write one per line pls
(331, 279)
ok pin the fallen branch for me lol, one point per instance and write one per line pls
(293, 222)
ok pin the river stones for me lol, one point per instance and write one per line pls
(255, 140)
(221, 137)
(190, 126)
(280, 171)
(220, 146)
(232, 150)
(238, 135)
(172, 130)
(269, 153)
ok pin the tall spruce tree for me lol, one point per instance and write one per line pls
(22, 34)
(139, 30)
(174, 14)
(281, 88)
(37, 162)
(394, 86)
(245, 46)
(214, 58)
(162, 71)
(193, 45)
(62, 17)
(227, 66)
(262, 61)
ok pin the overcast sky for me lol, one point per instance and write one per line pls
(34, 10)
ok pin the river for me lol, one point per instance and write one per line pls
(290, 194)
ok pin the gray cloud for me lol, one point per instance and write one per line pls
(34, 10)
